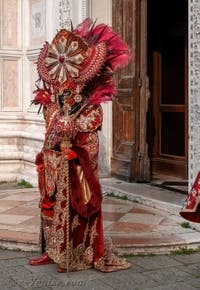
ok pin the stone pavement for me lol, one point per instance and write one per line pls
(159, 272)
(147, 223)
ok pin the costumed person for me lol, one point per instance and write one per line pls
(191, 207)
(76, 74)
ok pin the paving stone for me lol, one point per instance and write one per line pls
(190, 237)
(169, 275)
(158, 262)
(43, 281)
(13, 262)
(83, 276)
(188, 259)
(161, 272)
(193, 269)
(135, 281)
(6, 254)
(195, 283)
(119, 208)
(84, 285)
(151, 219)
(10, 287)
(175, 286)
(123, 220)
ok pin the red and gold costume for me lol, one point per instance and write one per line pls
(76, 72)
(191, 208)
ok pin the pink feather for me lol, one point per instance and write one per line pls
(118, 51)
(83, 28)
(120, 61)
(103, 94)
(118, 55)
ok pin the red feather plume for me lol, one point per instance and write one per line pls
(118, 54)
(103, 94)
(102, 88)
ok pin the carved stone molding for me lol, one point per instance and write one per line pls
(65, 13)
(194, 89)
(74, 11)
(84, 9)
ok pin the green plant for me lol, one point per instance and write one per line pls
(123, 197)
(25, 184)
(138, 255)
(112, 194)
(184, 251)
(186, 225)
(2, 182)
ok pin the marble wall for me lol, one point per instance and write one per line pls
(25, 25)
(22, 34)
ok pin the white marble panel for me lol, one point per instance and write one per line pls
(37, 22)
(33, 77)
(11, 84)
(9, 31)
(10, 170)
(29, 173)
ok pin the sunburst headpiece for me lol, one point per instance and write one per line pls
(85, 57)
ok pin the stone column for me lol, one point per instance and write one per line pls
(194, 89)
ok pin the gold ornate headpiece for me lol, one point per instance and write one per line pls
(82, 60)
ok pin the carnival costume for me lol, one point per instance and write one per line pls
(76, 74)
(191, 207)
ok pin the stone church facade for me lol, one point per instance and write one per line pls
(24, 27)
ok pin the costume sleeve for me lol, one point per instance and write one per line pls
(87, 196)
(88, 122)
(90, 119)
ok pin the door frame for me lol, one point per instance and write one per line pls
(163, 164)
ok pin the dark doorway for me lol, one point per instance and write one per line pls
(167, 119)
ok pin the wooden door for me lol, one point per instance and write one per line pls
(130, 151)
(167, 69)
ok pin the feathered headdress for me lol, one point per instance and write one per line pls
(85, 58)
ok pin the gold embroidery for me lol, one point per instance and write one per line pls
(88, 255)
(75, 222)
(57, 245)
(51, 159)
(110, 261)
(46, 224)
(91, 145)
(90, 120)
(93, 232)
(67, 213)
(62, 244)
